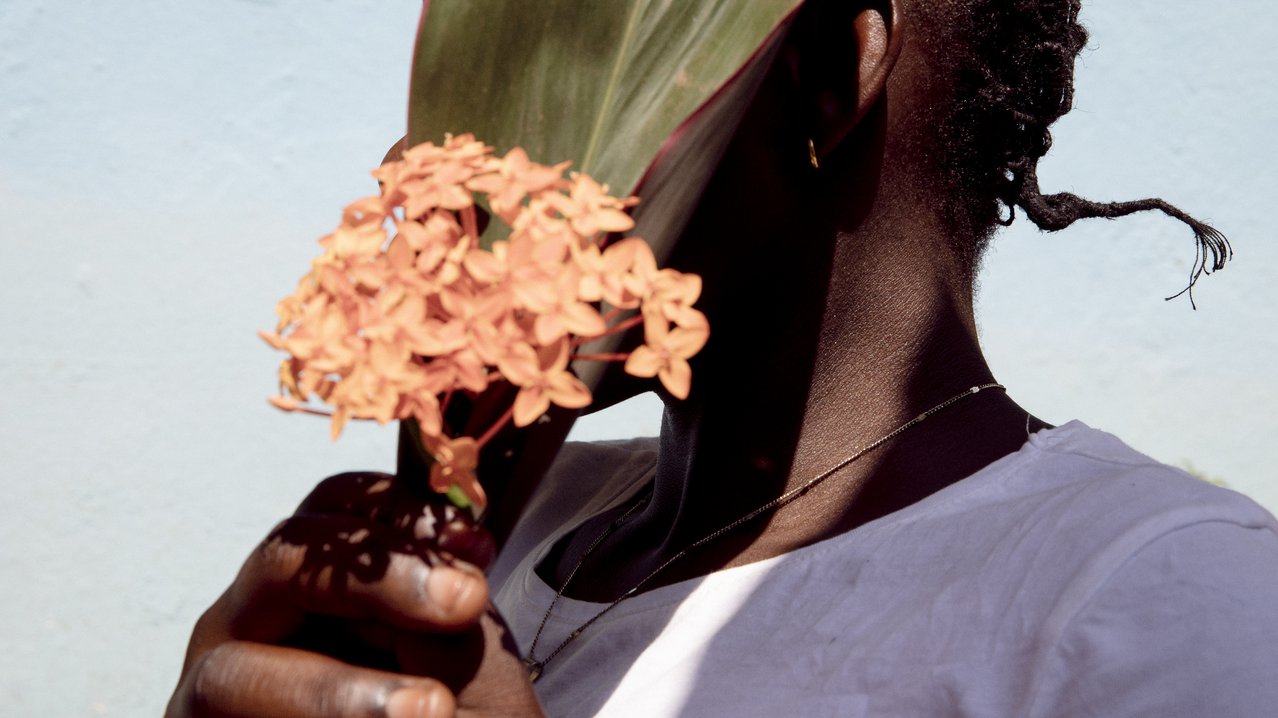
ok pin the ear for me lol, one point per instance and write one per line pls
(845, 65)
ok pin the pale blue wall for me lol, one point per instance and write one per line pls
(166, 166)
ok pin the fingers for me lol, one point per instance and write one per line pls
(414, 516)
(482, 667)
(250, 680)
(340, 566)
(357, 493)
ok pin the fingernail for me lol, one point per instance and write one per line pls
(413, 702)
(446, 586)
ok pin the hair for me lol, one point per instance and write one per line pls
(1013, 76)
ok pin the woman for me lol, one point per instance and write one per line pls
(974, 562)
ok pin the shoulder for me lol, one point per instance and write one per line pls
(1068, 509)
(1097, 507)
(1078, 452)
(1113, 496)
(1173, 609)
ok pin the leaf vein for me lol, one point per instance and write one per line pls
(614, 77)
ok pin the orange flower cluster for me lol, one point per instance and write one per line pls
(389, 323)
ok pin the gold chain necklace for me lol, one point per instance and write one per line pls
(535, 666)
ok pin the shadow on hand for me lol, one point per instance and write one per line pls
(348, 529)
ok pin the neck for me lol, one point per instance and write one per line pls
(792, 383)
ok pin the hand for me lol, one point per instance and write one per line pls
(349, 608)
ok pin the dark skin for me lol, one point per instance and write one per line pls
(839, 313)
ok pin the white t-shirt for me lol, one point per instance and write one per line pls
(1075, 577)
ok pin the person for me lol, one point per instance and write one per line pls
(974, 562)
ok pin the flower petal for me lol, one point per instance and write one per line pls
(520, 365)
(643, 362)
(676, 376)
(274, 340)
(582, 319)
(685, 342)
(548, 328)
(530, 404)
(340, 416)
(284, 403)
(568, 391)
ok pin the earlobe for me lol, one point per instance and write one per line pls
(877, 37)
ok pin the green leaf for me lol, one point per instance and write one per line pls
(643, 95)
(458, 497)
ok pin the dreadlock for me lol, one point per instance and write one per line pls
(1014, 77)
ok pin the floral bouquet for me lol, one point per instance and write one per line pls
(392, 324)
(479, 293)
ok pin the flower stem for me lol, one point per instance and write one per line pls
(496, 427)
(313, 412)
(470, 224)
(617, 356)
(614, 329)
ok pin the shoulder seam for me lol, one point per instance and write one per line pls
(1064, 626)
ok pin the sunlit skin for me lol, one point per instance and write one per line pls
(839, 310)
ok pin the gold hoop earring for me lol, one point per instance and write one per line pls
(812, 155)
